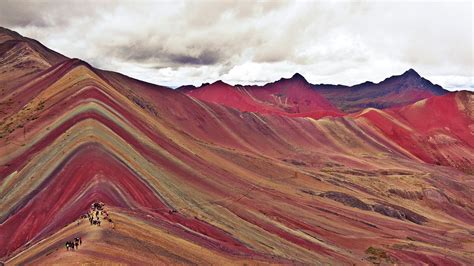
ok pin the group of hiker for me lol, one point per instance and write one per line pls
(72, 245)
(96, 212)
(94, 220)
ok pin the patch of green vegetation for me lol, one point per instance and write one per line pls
(40, 105)
(377, 256)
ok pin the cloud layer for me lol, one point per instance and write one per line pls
(175, 43)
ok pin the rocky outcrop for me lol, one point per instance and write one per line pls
(399, 212)
(386, 209)
(411, 195)
(436, 196)
(346, 199)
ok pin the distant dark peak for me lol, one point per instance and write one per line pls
(366, 83)
(298, 76)
(185, 88)
(411, 73)
(219, 82)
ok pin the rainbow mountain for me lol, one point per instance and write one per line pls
(286, 173)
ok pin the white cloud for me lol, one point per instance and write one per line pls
(174, 43)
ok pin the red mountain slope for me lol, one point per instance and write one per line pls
(291, 97)
(297, 97)
(437, 130)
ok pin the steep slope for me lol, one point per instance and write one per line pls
(223, 93)
(12, 38)
(187, 181)
(20, 59)
(291, 97)
(445, 136)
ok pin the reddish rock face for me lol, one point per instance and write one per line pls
(276, 174)
(292, 97)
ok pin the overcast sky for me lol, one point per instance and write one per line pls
(191, 42)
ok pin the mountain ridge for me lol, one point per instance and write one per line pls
(379, 95)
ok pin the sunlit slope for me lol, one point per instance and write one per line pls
(438, 130)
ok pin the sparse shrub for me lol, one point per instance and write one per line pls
(376, 255)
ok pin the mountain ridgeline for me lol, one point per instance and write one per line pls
(293, 95)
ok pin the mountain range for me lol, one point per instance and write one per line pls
(297, 96)
(285, 173)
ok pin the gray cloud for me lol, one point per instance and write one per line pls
(12, 15)
(174, 43)
(205, 57)
(146, 53)
(48, 14)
